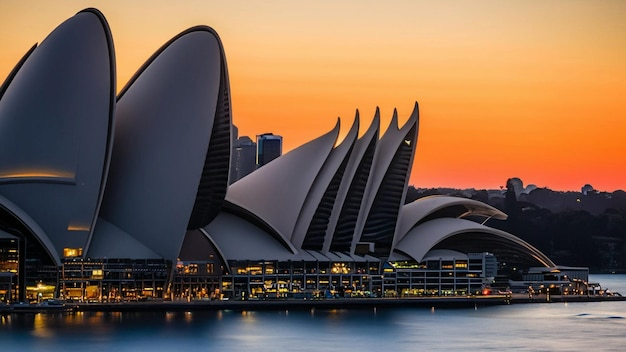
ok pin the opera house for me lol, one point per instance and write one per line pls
(110, 196)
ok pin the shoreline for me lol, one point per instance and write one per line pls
(302, 304)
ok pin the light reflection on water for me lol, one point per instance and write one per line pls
(535, 327)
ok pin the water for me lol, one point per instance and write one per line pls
(524, 327)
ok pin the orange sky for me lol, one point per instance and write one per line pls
(528, 89)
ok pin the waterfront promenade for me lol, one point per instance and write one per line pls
(280, 304)
(306, 304)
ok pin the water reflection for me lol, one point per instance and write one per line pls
(40, 329)
(525, 327)
(532, 327)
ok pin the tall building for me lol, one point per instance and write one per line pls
(232, 171)
(268, 148)
(244, 158)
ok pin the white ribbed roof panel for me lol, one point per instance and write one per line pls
(32, 226)
(321, 186)
(237, 239)
(277, 191)
(422, 238)
(386, 150)
(349, 197)
(117, 244)
(164, 120)
(412, 213)
(56, 120)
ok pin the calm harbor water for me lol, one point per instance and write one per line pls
(526, 327)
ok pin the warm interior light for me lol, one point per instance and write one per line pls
(72, 252)
(46, 176)
(71, 227)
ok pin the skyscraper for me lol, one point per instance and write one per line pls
(268, 148)
(244, 158)
(232, 171)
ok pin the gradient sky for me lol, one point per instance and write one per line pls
(528, 89)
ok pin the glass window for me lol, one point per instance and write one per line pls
(72, 252)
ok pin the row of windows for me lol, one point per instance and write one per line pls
(297, 268)
(195, 268)
(438, 265)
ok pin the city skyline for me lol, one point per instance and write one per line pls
(528, 90)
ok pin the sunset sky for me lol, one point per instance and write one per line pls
(528, 89)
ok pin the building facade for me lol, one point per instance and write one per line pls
(126, 196)
(244, 158)
(268, 148)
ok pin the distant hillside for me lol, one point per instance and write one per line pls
(572, 228)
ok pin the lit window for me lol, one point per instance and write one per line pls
(340, 268)
(97, 274)
(72, 252)
(461, 265)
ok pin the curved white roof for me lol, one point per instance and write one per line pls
(314, 200)
(422, 238)
(228, 231)
(165, 115)
(215, 172)
(73, 182)
(15, 70)
(237, 239)
(117, 244)
(33, 227)
(383, 159)
(350, 193)
(56, 121)
(414, 212)
(277, 191)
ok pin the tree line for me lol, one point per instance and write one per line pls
(572, 228)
